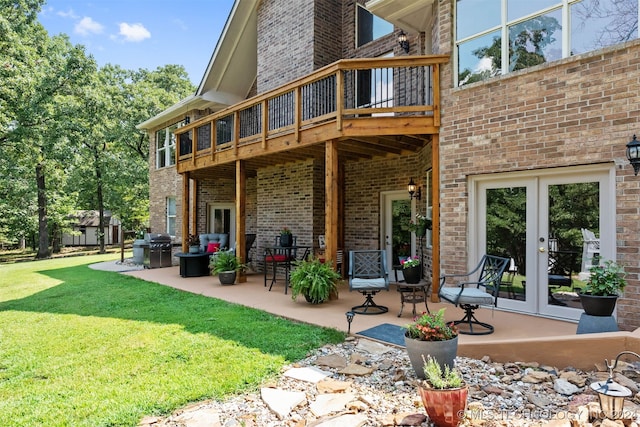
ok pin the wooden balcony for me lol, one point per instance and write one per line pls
(371, 107)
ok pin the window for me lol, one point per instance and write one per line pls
(171, 216)
(375, 87)
(166, 147)
(495, 37)
(370, 27)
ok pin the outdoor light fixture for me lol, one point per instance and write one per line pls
(633, 154)
(349, 315)
(611, 394)
(403, 42)
(414, 190)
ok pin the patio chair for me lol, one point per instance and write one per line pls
(471, 290)
(590, 249)
(279, 256)
(561, 267)
(368, 275)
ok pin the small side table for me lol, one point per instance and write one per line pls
(194, 265)
(411, 293)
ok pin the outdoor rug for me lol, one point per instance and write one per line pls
(386, 332)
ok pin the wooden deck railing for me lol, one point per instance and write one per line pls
(347, 89)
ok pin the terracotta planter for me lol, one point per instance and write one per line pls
(412, 274)
(596, 305)
(445, 408)
(444, 352)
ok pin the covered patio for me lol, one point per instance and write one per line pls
(516, 337)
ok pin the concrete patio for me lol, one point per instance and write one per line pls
(517, 336)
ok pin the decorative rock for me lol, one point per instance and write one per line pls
(564, 387)
(281, 401)
(309, 374)
(378, 388)
(332, 361)
(328, 403)
(333, 386)
(353, 369)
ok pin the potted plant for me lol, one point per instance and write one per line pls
(193, 241)
(286, 238)
(443, 393)
(430, 334)
(314, 279)
(225, 264)
(411, 269)
(420, 225)
(604, 285)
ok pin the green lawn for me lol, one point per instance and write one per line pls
(80, 347)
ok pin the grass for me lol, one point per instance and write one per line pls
(80, 347)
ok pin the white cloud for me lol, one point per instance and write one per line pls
(134, 32)
(88, 26)
(68, 14)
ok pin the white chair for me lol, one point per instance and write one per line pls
(590, 249)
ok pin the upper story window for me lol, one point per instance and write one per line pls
(166, 147)
(499, 36)
(370, 27)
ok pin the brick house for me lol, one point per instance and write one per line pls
(513, 129)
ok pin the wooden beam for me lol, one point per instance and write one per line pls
(241, 202)
(331, 200)
(185, 211)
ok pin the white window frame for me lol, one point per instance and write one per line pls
(168, 150)
(171, 216)
(563, 5)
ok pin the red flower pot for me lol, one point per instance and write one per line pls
(445, 408)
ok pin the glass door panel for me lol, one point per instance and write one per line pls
(506, 229)
(398, 240)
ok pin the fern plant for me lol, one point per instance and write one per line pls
(313, 279)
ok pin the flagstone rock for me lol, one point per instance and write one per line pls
(332, 361)
(281, 401)
(330, 402)
(354, 369)
(346, 420)
(308, 374)
(333, 386)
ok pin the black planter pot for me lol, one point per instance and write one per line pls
(412, 274)
(227, 277)
(596, 305)
(286, 240)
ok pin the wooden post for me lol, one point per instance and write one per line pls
(331, 200)
(241, 196)
(185, 211)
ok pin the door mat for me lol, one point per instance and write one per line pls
(386, 332)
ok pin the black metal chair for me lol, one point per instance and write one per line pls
(278, 256)
(368, 274)
(561, 268)
(466, 291)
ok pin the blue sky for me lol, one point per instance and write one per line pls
(141, 33)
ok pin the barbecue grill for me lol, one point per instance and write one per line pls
(157, 252)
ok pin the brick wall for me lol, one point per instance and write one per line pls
(577, 111)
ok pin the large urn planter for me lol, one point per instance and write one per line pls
(445, 407)
(412, 274)
(227, 277)
(598, 305)
(444, 352)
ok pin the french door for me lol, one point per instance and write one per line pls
(397, 211)
(537, 220)
(221, 218)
